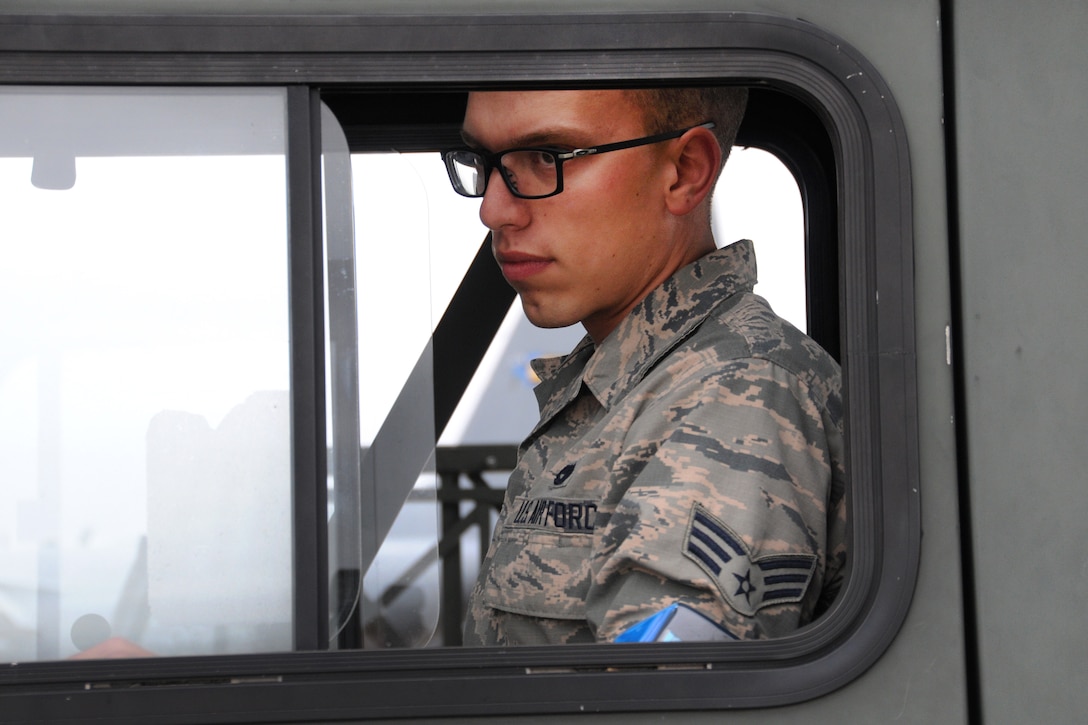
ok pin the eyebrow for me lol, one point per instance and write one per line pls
(543, 137)
(469, 139)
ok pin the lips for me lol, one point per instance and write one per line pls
(517, 266)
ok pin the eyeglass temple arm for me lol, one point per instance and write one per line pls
(645, 141)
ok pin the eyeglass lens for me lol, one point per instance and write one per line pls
(467, 170)
(528, 172)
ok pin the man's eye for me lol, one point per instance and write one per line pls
(542, 159)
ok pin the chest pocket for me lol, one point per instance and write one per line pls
(540, 562)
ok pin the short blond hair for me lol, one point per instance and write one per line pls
(670, 109)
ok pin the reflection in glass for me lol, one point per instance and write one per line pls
(383, 526)
(144, 421)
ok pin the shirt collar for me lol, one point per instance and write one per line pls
(656, 324)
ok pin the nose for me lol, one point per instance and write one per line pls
(500, 208)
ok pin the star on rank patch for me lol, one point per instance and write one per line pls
(747, 584)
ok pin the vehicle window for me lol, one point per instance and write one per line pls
(189, 463)
(758, 198)
(405, 247)
(144, 416)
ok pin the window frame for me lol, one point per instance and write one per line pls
(873, 231)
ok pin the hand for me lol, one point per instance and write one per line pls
(113, 648)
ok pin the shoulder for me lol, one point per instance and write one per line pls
(745, 342)
(749, 328)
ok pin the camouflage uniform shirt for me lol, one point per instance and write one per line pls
(695, 456)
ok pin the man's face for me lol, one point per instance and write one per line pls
(590, 253)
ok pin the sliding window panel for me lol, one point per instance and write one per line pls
(145, 441)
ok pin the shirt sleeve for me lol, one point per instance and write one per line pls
(726, 505)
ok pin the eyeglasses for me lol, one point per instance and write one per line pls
(530, 173)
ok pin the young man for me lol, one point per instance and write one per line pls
(689, 450)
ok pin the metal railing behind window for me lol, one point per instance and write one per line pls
(468, 501)
(471, 487)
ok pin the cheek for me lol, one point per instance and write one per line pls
(609, 220)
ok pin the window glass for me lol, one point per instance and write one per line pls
(757, 198)
(410, 246)
(144, 376)
(416, 240)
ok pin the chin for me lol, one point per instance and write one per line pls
(546, 321)
(549, 324)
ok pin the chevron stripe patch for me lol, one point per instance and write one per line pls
(747, 584)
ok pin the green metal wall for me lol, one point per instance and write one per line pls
(1021, 116)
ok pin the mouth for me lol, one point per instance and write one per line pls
(517, 266)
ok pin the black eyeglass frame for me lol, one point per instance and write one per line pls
(492, 161)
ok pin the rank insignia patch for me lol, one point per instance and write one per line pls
(747, 584)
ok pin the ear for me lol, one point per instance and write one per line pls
(697, 159)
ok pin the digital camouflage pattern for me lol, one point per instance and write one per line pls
(696, 456)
